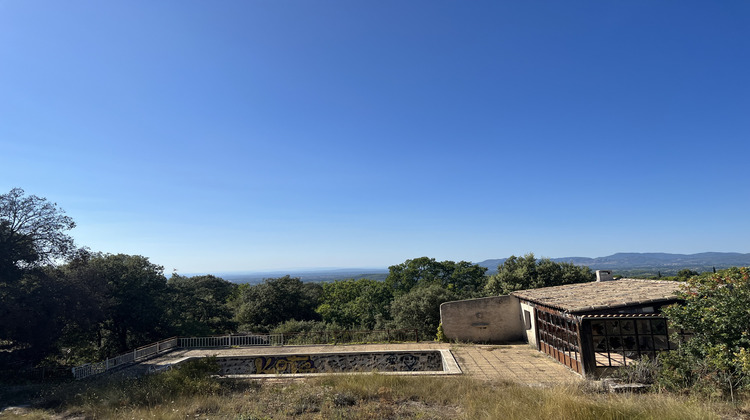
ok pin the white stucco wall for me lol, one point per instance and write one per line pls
(529, 330)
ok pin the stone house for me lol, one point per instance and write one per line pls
(589, 327)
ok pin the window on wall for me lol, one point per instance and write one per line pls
(619, 342)
(526, 319)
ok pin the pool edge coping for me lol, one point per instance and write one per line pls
(450, 367)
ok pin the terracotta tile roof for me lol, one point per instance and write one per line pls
(592, 296)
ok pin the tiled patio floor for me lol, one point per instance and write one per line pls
(514, 363)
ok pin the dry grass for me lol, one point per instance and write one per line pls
(358, 397)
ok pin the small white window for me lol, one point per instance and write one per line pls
(526, 319)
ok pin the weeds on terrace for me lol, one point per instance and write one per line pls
(644, 371)
(191, 392)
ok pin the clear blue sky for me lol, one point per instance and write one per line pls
(259, 135)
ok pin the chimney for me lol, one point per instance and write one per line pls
(604, 275)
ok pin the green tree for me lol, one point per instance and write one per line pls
(32, 237)
(361, 303)
(716, 310)
(32, 230)
(463, 278)
(520, 273)
(274, 301)
(131, 294)
(199, 305)
(420, 309)
(16, 251)
(33, 314)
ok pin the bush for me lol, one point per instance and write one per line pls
(420, 309)
(716, 358)
(441, 334)
(642, 371)
(294, 326)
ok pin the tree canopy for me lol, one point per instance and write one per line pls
(520, 273)
(131, 295)
(462, 278)
(32, 230)
(274, 301)
(361, 303)
(32, 235)
(199, 305)
(420, 309)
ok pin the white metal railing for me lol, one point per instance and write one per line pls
(145, 352)
(232, 340)
(138, 354)
(142, 353)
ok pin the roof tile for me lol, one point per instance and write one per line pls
(595, 295)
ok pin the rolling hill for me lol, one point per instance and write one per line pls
(629, 264)
(649, 264)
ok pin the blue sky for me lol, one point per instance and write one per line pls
(264, 135)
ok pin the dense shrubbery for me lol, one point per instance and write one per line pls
(293, 326)
(714, 356)
(716, 310)
(261, 307)
(362, 303)
(420, 309)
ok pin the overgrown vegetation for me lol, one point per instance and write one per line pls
(713, 360)
(191, 392)
(716, 359)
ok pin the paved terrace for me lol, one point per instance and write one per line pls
(513, 363)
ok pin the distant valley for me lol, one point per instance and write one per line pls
(628, 264)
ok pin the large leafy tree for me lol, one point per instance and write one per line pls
(520, 273)
(276, 300)
(33, 313)
(362, 303)
(130, 296)
(462, 278)
(16, 251)
(32, 237)
(32, 231)
(199, 305)
(420, 309)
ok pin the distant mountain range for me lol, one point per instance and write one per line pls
(309, 275)
(628, 264)
(650, 263)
